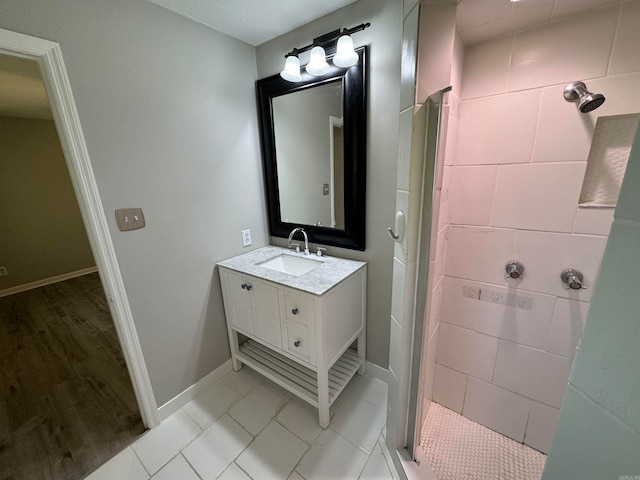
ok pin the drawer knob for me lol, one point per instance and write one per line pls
(295, 312)
(296, 343)
(246, 286)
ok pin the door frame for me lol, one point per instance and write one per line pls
(48, 55)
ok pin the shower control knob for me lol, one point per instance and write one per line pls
(572, 278)
(514, 269)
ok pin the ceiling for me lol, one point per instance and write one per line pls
(480, 20)
(253, 21)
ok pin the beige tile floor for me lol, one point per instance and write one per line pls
(247, 427)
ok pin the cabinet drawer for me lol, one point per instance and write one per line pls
(298, 308)
(299, 342)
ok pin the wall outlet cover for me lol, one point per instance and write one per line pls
(246, 237)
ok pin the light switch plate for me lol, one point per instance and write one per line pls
(129, 218)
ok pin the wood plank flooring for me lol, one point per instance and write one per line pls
(66, 400)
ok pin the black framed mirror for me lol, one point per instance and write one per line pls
(313, 139)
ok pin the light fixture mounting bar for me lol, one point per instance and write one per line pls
(328, 38)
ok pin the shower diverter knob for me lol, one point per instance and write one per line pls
(573, 278)
(514, 269)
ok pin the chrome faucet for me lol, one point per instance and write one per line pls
(306, 240)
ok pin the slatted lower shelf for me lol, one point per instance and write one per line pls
(296, 378)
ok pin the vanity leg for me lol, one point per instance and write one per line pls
(323, 398)
(362, 352)
(233, 343)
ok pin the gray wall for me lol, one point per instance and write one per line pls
(384, 38)
(42, 234)
(167, 107)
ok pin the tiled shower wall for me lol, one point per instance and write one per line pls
(505, 348)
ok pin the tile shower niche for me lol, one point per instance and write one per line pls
(607, 162)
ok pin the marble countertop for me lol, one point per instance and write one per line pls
(317, 281)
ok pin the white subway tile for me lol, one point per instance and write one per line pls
(497, 130)
(449, 387)
(528, 327)
(485, 69)
(569, 317)
(473, 193)
(479, 253)
(451, 143)
(395, 349)
(538, 196)
(496, 408)
(397, 290)
(563, 133)
(402, 205)
(624, 57)
(540, 427)
(409, 59)
(466, 351)
(546, 255)
(404, 150)
(620, 92)
(522, 16)
(586, 40)
(531, 372)
(573, 7)
(593, 221)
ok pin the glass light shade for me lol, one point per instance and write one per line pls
(318, 63)
(345, 55)
(291, 71)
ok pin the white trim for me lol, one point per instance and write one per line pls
(180, 400)
(47, 281)
(49, 56)
(378, 372)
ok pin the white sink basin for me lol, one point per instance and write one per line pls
(290, 264)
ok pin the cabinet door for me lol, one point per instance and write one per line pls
(265, 298)
(267, 328)
(238, 289)
(241, 317)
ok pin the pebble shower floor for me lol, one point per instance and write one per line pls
(460, 449)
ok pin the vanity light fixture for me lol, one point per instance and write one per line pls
(338, 41)
(317, 65)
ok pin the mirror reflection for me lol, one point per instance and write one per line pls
(309, 155)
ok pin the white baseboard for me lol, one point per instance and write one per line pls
(47, 281)
(180, 400)
(377, 372)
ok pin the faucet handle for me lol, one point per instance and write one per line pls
(319, 251)
(296, 246)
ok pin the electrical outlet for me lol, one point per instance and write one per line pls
(246, 237)
(3, 271)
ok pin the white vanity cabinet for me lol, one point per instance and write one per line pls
(299, 339)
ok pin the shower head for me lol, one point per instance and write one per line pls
(577, 91)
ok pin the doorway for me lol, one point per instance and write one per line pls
(104, 294)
